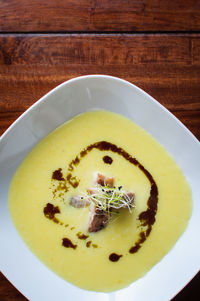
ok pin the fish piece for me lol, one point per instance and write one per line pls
(78, 201)
(110, 182)
(129, 196)
(100, 179)
(92, 190)
(98, 219)
(104, 181)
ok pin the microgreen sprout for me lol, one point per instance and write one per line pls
(110, 199)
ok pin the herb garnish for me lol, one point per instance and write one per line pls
(110, 199)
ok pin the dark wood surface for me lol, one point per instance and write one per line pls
(166, 66)
(99, 15)
(153, 44)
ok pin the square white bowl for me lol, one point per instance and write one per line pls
(30, 276)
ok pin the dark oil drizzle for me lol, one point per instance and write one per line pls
(67, 243)
(59, 186)
(138, 243)
(57, 175)
(73, 181)
(81, 235)
(61, 189)
(147, 217)
(88, 243)
(107, 159)
(50, 210)
(114, 257)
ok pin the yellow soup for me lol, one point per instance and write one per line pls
(63, 165)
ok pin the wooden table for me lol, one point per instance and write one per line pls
(154, 44)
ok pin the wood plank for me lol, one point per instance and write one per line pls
(8, 292)
(99, 15)
(165, 66)
(25, 85)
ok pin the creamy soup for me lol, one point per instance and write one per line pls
(63, 165)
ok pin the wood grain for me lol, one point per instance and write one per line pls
(99, 15)
(8, 292)
(165, 66)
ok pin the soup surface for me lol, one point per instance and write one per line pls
(63, 165)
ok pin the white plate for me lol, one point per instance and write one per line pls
(75, 96)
